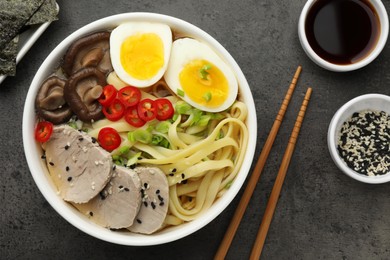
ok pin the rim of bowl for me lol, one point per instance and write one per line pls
(384, 25)
(77, 219)
(341, 115)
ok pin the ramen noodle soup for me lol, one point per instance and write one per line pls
(141, 127)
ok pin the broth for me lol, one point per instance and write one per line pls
(342, 31)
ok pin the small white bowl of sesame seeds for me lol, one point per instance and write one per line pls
(359, 138)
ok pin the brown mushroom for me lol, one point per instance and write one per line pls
(90, 51)
(81, 92)
(50, 102)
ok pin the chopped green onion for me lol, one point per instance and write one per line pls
(221, 135)
(180, 92)
(165, 143)
(204, 120)
(229, 184)
(133, 159)
(204, 71)
(197, 114)
(160, 141)
(156, 139)
(217, 116)
(142, 136)
(72, 124)
(124, 149)
(163, 127)
(119, 160)
(207, 96)
(182, 107)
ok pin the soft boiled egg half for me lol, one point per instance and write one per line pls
(200, 77)
(140, 52)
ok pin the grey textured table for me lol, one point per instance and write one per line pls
(321, 214)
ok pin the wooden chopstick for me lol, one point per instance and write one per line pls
(235, 222)
(273, 199)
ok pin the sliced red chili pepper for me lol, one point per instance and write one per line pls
(130, 96)
(43, 131)
(131, 117)
(109, 138)
(108, 95)
(146, 109)
(114, 111)
(164, 109)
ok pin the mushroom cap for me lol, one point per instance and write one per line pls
(81, 92)
(50, 102)
(90, 51)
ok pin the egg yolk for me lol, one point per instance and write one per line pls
(142, 55)
(204, 83)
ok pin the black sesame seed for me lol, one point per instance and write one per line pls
(114, 167)
(174, 170)
(171, 174)
(67, 168)
(43, 156)
(184, 182)
(69, 178)
(66, 147)
(153, 205)
(51, 163)
(139, 221)
(132, 166)
(161, 203)
(160, 198)
(139, 158)
(120, 187)
(157, 191)
(145, 203)
(146, 185)
(81, 139)
(183, 175)
(93, 140)
(102, 195)
(91, 213)
(127, 189)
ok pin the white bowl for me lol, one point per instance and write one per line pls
(365, 102)
(39, 170)
(384, 22)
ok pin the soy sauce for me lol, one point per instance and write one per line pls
(342, 31)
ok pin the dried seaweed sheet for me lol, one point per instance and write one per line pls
(46, 13)
(13, 15)
(8, 58)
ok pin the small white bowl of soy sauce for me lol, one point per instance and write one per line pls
(343, 35)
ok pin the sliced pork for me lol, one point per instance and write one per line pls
(118, 203)
(155, 199)
(78, 165)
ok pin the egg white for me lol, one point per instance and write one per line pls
(125, 30)
(186, 50)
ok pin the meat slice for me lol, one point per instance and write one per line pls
(155, 199)
(118, 203)
(79, 167)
